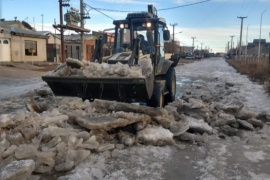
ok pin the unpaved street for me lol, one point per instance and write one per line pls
(229, 158)
(15, 81)
(236, 154)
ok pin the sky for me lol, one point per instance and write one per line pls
(212, 22)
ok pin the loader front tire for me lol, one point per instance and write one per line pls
(157, 99)
(171, 85)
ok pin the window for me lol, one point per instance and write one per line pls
(30, 48)
(161, 41)
(5, 42)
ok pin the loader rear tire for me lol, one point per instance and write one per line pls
(171, 85)
(157, 99)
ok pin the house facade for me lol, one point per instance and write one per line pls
(73, 46)
(5, 52)
(20, 43)
(53, 46)
(253, 48)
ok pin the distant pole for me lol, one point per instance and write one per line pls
(240, 43)
(246, 43)
(63, 58)
(193, 44)
(55, 48)
(173, 25)
(201, 48)
(42, 21)
(231, 45)
(269, 54)
(228, 47)
(82, 26)
(259, 49)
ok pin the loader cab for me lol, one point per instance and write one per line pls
(143, 33)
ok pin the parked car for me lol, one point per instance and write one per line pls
(189, 56)
(198, 57)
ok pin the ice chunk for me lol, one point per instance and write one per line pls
(18, 170)
(77, 156)
(15, 138)
(49, 120)
(45, 162)
(25, 151)
(5, 120)
(199, 126)
(126, 138)
(155, 135)
(28, 133)
(9, 151)
(66, 166)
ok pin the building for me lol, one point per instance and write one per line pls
(21, 43)
(53, 46)
(173, 47)
(253, 48)
(73, 46)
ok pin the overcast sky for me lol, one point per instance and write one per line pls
(211, 22)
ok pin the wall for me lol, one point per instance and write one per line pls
(52, 40)
(18, 49)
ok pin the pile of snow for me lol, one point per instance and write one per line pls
(76, 68)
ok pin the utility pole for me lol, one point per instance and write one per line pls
(240, 43)
(201, 48)
(82, 26)
(193, 44)
(269, 55)
(173, 25)
(231, 45)
(259, 50)
(63, 57)
(246, 43)
(55, 47)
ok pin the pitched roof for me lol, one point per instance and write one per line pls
(77, 37)
(18, 28)
(21, 32)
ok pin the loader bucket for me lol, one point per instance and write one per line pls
(119, 89)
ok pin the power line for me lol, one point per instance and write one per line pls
(175, 7)
(97, 9)
(191, 4)
(113, 10)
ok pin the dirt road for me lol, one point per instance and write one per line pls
(16, 81)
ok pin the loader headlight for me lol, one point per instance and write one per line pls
(122, 26)
(147, 25)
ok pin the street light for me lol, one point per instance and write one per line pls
(231, 45)
(173, 25)
(246, 43)
(259, 49)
